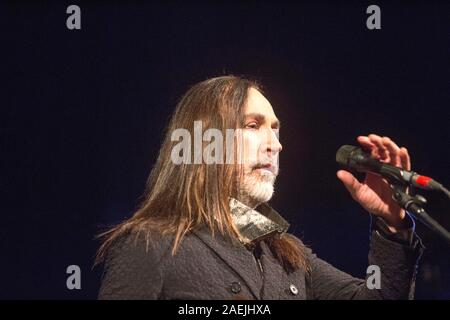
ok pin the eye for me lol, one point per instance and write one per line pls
(252, 125)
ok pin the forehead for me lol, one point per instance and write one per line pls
(257, 103)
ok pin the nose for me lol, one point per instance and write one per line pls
(273, 143)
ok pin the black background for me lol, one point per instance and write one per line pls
(82, 114)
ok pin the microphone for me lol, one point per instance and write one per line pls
(355, 158)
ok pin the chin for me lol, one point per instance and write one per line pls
(257, 188)
(262, 192)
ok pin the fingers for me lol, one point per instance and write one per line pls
(386, 150)
(405, 159)
(382, 150)
(393, 151)
(366, 143)
(350, 182)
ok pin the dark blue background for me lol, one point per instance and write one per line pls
(82, 114)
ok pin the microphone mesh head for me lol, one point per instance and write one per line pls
(343, 154)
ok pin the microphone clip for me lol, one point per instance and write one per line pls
(414, 205)
(404, 199)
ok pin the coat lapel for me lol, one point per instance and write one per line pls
(235, 255)
(277, 284)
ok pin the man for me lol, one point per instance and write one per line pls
(205, 230)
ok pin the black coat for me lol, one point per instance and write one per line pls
(215, 268)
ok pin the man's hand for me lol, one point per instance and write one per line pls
(375, 194)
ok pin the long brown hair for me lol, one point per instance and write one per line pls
(181, 197)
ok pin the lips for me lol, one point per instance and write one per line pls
(266, 166)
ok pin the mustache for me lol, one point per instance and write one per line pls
(268, 165)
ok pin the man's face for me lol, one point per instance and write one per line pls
(261, 148)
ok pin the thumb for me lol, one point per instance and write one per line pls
(350, 182)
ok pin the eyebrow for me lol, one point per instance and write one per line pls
(261, 118)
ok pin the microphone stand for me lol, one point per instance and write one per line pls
(414, 206)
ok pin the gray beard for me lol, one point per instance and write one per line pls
(256, 189)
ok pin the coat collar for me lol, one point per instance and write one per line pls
(254, 225)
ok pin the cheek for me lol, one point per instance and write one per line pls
(251, 141)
